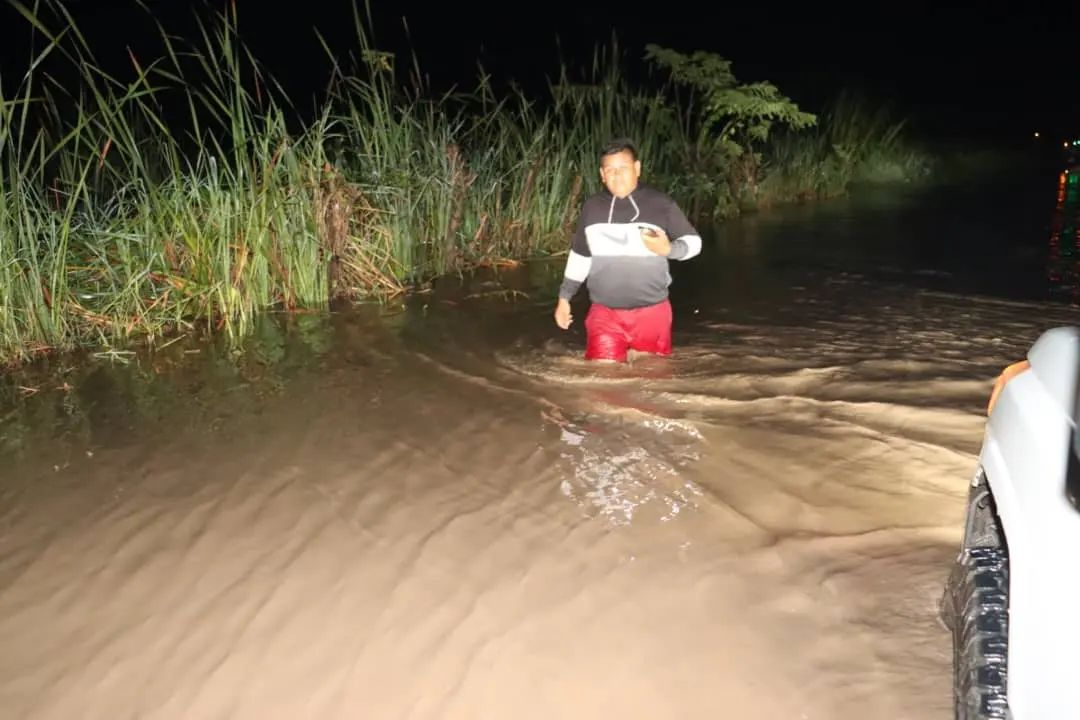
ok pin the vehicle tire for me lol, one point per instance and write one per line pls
(980, 635)
(976, 609)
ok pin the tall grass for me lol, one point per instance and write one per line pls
(852, 143)
(178, 198)
(111, 228)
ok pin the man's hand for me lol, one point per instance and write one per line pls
(563, 318)
(657, 241)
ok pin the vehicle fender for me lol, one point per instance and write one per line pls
(1027, 443)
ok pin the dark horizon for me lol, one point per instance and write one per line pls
(995, 74)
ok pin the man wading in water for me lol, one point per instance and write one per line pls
(622, 244)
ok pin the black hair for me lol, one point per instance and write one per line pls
(619, 145)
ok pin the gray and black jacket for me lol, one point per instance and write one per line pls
(607, 248)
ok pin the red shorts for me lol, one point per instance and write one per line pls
(612, 332)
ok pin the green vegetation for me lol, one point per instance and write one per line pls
(851, 143)
(181, 197)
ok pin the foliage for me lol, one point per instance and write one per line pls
(733, 121)
(187, 195)
(853, 143)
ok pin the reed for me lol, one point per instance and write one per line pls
(852, 143)
(187, 197)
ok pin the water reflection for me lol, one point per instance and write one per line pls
(1063, 263)
(113, 399)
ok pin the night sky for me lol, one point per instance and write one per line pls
(991, 70)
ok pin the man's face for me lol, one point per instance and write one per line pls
(619, 173)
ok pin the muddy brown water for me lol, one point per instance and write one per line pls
(440, 510)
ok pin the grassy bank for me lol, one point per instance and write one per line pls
(852, 143)
(184, 197)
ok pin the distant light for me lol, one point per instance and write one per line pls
(1036, 133)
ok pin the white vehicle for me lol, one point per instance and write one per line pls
(1012, 599)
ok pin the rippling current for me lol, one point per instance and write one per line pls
(440, 510)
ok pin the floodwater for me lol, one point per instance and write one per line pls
(440, 511)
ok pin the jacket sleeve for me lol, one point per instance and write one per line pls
(685, 239)
(578, 262)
